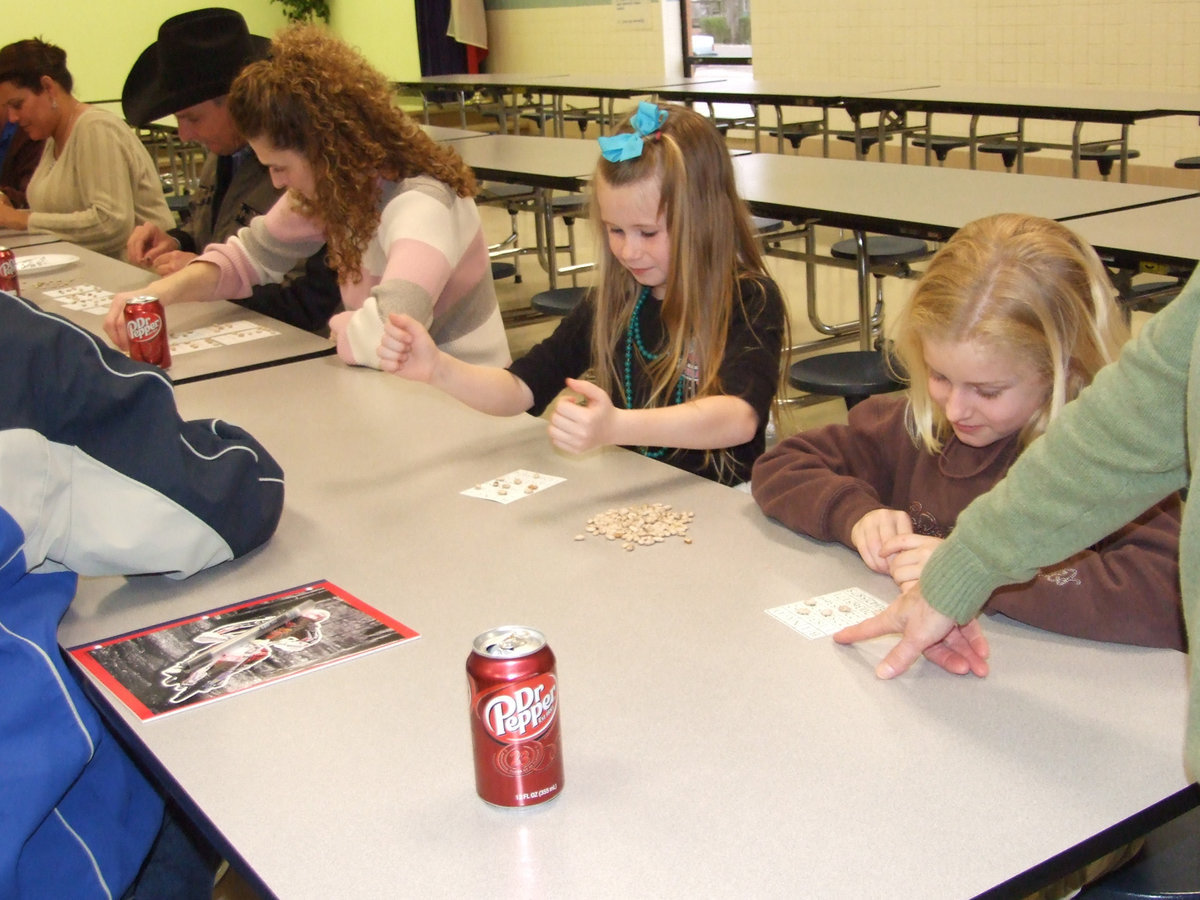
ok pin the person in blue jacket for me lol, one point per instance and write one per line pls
(98, 475)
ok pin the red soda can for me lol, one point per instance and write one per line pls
(8, 272)
(514, 717)
(146, 325)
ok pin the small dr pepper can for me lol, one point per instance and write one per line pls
(146, 325)
(8, 272)
(514, 717)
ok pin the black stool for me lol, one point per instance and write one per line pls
(794, 133)
(863, 142)
(941, 145)
(883, 250)
(1167, 867)
(1188, 162)
(514, 198)
(1150, 296)
(853, 375)
(1105, 157)
(1008, 150)
(559, 301)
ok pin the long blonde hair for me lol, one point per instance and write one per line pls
(1020, 283)
(713, 248)
(318, 97)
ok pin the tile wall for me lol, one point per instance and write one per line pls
(1106, 44)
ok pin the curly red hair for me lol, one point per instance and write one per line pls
(317, 96)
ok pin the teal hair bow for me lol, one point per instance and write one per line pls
(646, 121)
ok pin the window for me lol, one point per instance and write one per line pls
(715, 32)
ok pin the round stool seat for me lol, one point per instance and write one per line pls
(852, 374)
(941, 145)
(764, 225)
(569, 206)
(795, 132)
(1151, 296)
(1008, 150)
(1188, 162)
(1168, 866)
(882, 248)
(863, 142)
(559, 301)
(1105, 157)
(502, 190)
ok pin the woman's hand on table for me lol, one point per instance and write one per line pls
(906, 555)
(14, 219)
(958, 649)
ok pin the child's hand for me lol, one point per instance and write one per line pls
(871, 532)
(907, 554)
(337, 330)
(580, 425)
(406, 349)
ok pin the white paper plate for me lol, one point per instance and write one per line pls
(46, 262)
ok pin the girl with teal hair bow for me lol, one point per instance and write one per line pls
(682, 333)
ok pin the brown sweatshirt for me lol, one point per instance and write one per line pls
(821, 482)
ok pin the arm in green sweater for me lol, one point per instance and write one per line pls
(1116, 450)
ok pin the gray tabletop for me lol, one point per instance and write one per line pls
(785, 91)
(547, 162)
(1167, 233)
(1045, 102)
(923, 201)
(223, 344)
(444, 134)
(709, 750)
(479, 80)
(14, 239)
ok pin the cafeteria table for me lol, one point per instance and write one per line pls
(846, 94)
(918, 201)
(13, 239)
(546, 164)
(443, 134)
(709, 749)
(465, 84)
(1079, 105)
(1147, 238)
(209, 338)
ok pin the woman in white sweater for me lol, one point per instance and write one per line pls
(95, 180)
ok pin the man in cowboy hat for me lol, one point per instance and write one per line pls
(188, 72)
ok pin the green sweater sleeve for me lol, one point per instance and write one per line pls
(1116, 450)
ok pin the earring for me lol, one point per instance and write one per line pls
(53, 103)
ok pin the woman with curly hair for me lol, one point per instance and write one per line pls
(394, 207)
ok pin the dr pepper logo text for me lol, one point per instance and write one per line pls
(520, 711)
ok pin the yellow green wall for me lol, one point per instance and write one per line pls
(103, 39)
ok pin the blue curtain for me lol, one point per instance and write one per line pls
(440, 53)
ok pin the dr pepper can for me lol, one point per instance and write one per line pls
(146, 325)
(514, 717)
(8, 272)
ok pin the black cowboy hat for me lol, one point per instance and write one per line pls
(196, 57)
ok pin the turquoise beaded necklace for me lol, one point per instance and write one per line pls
(633, 338)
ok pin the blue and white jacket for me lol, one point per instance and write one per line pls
(98, 475)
